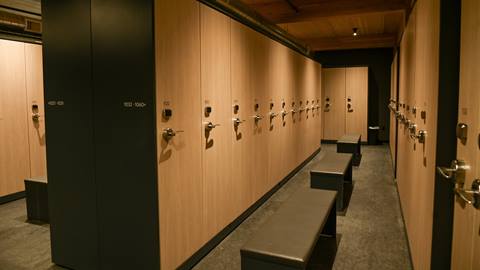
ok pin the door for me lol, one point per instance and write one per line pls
(14, 156)
(356, 94)
(36, 114)
(333, 103)
(466, 226)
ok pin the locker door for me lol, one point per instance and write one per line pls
(466, 227)
(356, 121)
(242, 110)
(334, 103)
(36, 110)
(181, 199)
(220, 195)
(14, 153)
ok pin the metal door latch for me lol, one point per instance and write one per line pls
(237, 121)
(257, 118)
(422, 136)
(272, 115)
(209, 126)
(457, 166)
(284, 113)
(169, 133)
(471, 196)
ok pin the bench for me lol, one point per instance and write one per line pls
(351, 144)
(37, 199)
(334, 172)
(295, 232)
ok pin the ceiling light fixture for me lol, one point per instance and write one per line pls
(355, 32)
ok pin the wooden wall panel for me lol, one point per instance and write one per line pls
(357, 89)
(181, 198)
(334, 115)
(36, 129)
(393, 96)
(466, 224)
(219, 192)
(419, 62)
(14, 156)
(232, 167)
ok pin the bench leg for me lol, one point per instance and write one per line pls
(329, 182)
(330, 227)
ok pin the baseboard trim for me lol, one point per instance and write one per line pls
(12, 197)
(217, 239)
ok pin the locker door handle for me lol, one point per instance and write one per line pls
(273, 115)
(257, 117)
(457, 166)
(237, 121)
(284, 113)
(293, 111)
(35, 117)
(169, 133)
(471, 196)
(209, 126)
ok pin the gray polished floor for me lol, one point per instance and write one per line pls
(371, 231)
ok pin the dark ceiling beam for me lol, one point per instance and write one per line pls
(350, 42)
(275, 11)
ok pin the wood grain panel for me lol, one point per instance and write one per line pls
(181, 198)
(220, 196)
(393, 96)
(466, 226)
(14, 156)
(334, 115)
(356, 120)
(36, 129)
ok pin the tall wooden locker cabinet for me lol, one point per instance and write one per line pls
(345, 102)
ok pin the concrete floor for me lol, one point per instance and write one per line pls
(371, 231)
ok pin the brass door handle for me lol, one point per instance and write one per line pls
(284, 113)
(257, 118)
(35, 117)
(273, 115)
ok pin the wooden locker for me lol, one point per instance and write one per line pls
(181, 198)
(219, 193)
(356, 87)
(35, 103)
(334, 103)
(279, 90)
(14, 156)
(242, 109)
(466, 224)
(393, 96)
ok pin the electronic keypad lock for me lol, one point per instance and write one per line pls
(169, 133)
(35, 113)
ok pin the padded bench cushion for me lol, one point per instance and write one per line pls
(290, 235)
(333, 163)
(352, 138)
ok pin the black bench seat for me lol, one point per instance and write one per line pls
(351, 144)
(333, 172)
(288, 239)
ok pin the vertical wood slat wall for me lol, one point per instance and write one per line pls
(339, 85)
(22, 154)
(393, 97)
(419, 62)
(206, 180)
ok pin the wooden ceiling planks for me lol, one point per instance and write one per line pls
(328, 24)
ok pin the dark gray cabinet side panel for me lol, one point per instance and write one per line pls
(69, 108)
(125, 133)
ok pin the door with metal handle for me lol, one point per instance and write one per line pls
(456, 168)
